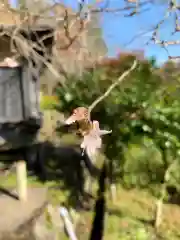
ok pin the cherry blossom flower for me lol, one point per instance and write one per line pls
(90, 131)
(79, 114)
(92, 142)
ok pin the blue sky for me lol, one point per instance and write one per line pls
(118, 30)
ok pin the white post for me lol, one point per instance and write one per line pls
(113, 192)
(21, 175)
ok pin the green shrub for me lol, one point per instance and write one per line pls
(142, 112)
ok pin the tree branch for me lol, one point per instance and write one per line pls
(112, 86)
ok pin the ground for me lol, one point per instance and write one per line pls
(129, 218)
(14, 213)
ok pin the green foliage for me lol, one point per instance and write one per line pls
(143, 111)
(47, 102)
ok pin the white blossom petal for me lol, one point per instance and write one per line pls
(70, 120)
(104, 132)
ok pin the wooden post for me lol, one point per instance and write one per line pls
(21, 175)
(111, 181)
(113, 193)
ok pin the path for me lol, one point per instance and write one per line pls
(13, 213)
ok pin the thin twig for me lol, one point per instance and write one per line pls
(112, 86)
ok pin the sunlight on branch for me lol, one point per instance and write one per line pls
(111, 87)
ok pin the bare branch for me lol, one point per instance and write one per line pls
(115, 10)
(111, 87)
